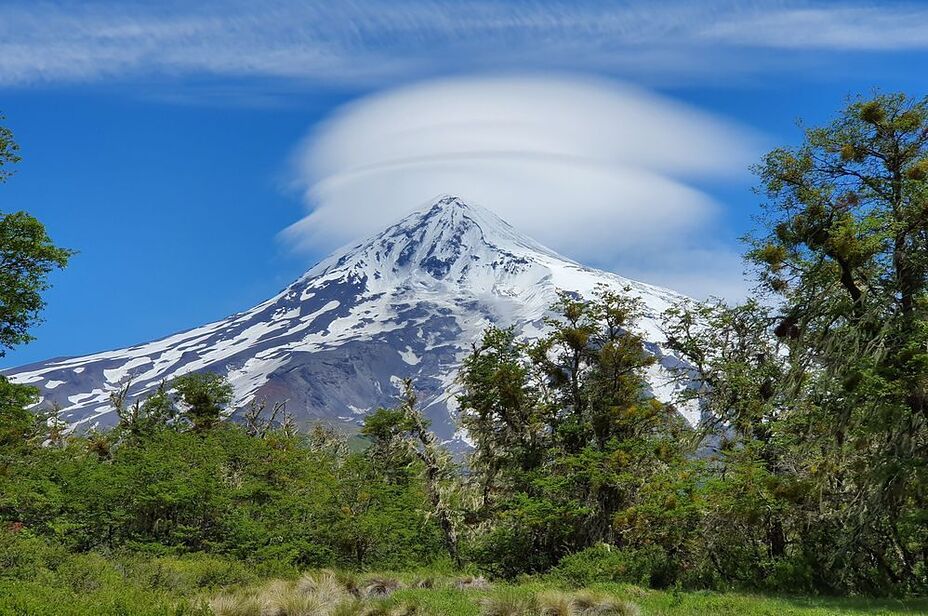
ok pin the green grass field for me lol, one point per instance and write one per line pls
(211, 587)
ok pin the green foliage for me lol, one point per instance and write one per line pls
(273, 501)
(819, 466)
(847, 209)
(27, 257)
(449, 596)
(400, 436)
(565, 434)
(8, 152)
(57, 583)
(16, 422)
(604, 563)
(203, 395)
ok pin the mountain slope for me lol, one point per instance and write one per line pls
(407, 302)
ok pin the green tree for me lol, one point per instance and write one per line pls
(141, 418)
(502, 409)
(203, 397)
(17, 424)
(27, 257)
(844, 250)
(755, 504)
(402, 433)
(819, 393)
(565, 432)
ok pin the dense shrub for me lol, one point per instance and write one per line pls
(604, 563)
(263, 500)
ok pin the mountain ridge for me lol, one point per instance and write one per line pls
(404, 303)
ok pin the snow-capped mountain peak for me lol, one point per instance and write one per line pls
(406, 302)
(444, 241)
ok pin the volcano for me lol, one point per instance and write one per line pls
(408, 302)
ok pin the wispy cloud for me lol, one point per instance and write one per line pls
(370, 42)
(880, 27)
(599, 171)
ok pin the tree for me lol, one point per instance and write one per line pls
(844, 250)
(253, 417)
(565, 432)
(203, 396)
(821, 391)
(501, 409)
(403, 431)
(140, 419)
(754, 502)
(17, 424)
(27, 257)
(734, 367)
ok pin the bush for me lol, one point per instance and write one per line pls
(190, 573)
(23, 556)
(84, 574)
(604, 563)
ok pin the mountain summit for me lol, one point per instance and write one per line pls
(407, 302)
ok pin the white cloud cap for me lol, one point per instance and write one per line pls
(591, 168)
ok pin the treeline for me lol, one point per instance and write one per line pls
(163, 484)
(809, 472)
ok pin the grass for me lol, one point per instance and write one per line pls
(666, 603)
(410, 594)
(207, 586)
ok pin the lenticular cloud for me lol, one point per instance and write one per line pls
(593, 169)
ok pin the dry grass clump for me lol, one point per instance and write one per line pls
(280, 598)
(554, 603)
(317, 593)
(228, 605)
(590, 604)
(379, 587)
(327, 593)
(507, 604)
(326, 586)
(298, 604)
(470, 582)
(274, 599)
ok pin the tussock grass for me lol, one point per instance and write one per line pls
(203, 585)
(327, 586)
(333, 593)
(379, 587)
(588, 604)
(317, 593)
(555, 603)
(507, 603)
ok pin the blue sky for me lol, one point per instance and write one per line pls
(175, 146)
